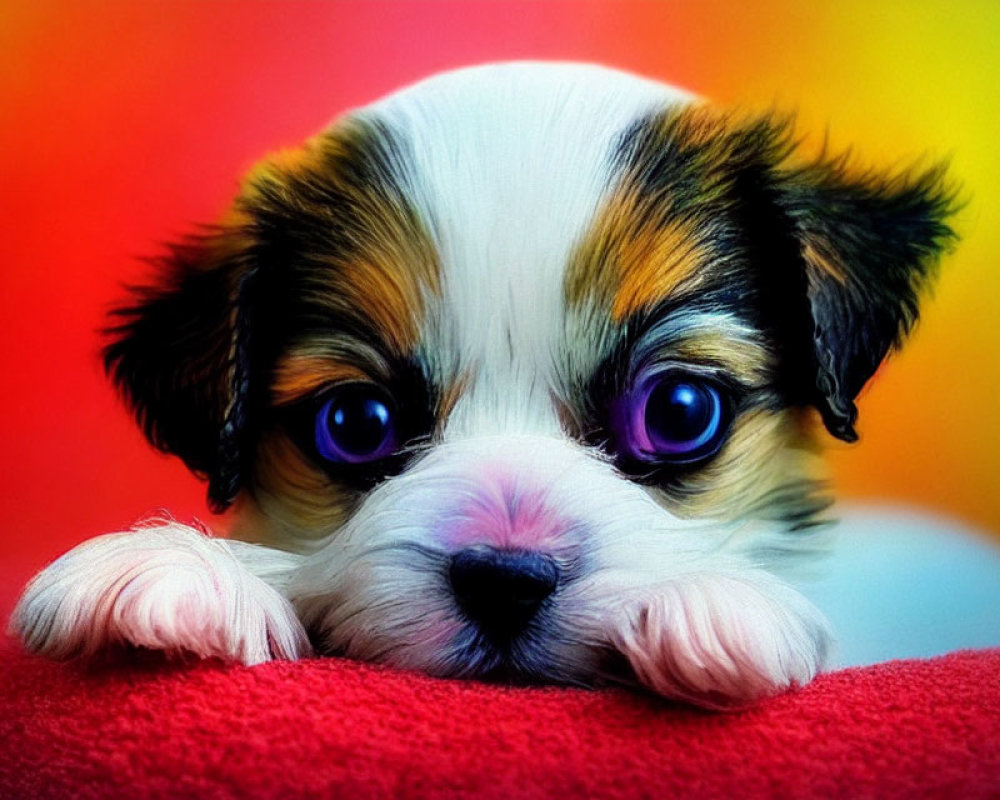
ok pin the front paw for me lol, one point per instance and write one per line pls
(722, 641)
(166, 587)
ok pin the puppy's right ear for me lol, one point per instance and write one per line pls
(869, 245)
(180, 356)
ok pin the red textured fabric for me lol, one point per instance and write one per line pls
(332, 729)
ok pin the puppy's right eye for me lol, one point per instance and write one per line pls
(356, 425)
(670, 418)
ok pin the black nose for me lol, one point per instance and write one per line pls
(501, 590)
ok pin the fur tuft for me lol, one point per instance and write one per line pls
(722, 641)
(163, 586)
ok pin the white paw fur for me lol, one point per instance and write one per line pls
(164, 586)
(721, 641)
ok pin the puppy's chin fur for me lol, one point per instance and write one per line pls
(509, 259)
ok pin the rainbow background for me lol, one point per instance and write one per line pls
(123, 124)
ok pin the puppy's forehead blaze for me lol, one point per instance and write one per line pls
(337, 213)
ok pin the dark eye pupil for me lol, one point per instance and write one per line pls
(355, 425)
(359, 424)
(680, 416)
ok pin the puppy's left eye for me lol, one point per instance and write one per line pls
(671, 418)
(356, 425)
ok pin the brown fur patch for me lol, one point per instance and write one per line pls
(766, 470)
(447, 399)
(372, 256)
(816, 256)
(747, 360)
(297, 504)
(657, 234)
(628, 262)
(298, 376)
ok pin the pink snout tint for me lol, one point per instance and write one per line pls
(504, 515)
(502, 569)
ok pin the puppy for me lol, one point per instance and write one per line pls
(511, 375)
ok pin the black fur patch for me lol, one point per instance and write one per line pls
(826, 262)
(880, 238)
(177, 358)
(193, 354)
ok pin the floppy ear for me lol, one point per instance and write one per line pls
(180, 355)
(869, 245)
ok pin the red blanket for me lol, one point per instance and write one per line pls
(336, 729)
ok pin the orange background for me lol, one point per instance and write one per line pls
(124, 124)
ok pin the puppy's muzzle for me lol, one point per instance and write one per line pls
(501, 591)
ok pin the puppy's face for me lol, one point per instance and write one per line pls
(522, 358)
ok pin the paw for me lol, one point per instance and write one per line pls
(723, 641)
(166, 587)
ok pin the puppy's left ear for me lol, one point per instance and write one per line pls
(180, 354)
(869, 245)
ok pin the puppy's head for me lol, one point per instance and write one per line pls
(524, 357)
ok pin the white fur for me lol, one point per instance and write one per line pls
(510, 165)
(721, 640)
(163, 586)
